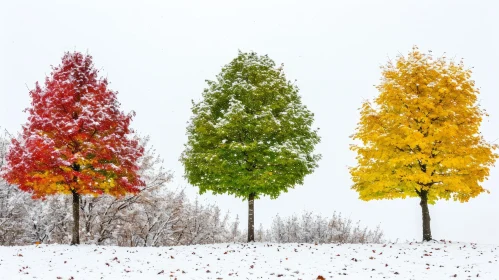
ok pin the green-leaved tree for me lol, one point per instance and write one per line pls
(250, 135)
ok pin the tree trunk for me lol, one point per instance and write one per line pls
(426, 215)
(76, 218)
(251, 218)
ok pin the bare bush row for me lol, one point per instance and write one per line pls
(157, 216)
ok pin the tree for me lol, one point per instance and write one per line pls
(76, 141)
(250, 135)
(421, 136)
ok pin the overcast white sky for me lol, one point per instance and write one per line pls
(157, 54)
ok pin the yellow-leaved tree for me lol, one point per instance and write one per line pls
(420, 137)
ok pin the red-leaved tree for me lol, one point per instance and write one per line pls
(76, 140)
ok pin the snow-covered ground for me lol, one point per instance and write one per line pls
(442, 260)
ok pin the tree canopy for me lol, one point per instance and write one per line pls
(422, 133)
(76, 138)
(250, 134)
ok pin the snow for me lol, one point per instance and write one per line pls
(433, 260)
